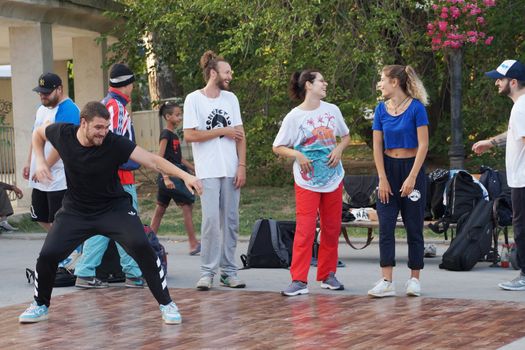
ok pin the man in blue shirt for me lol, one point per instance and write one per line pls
(46, 198)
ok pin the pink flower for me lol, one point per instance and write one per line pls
(473, 39)
(475, 11)
(488, 41)
(435, 7)
(444, 9)
(455, 12)
(456, 44)
(430, 27)
(489, 3)
(472, 33)
(480, 20)
(443, 15)
(455, 36)
(442, 25)
(481, 34)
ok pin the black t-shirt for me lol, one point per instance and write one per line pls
(172, 152)
(93, 185)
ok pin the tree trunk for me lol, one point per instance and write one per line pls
(457, 150)
(162, 84)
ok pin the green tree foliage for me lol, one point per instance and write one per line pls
(347, 40)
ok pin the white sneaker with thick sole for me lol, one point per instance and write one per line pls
(413, 287)
(383, 288)
(205, 283)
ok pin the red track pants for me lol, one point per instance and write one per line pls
(308, 204)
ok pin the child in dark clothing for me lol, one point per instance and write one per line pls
(173, 189)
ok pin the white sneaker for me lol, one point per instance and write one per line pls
(413, 287)
(382, 289)
(4, 225)
(205, 283)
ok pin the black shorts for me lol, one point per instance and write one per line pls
(44, 205)
(180, 195)
(164, 197)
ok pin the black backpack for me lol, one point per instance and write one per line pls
(462, 195)
(496, 184)
(437, 182)
(473, 239)
(287, 233)
(359, 191)
(266, 248)
(491, 179)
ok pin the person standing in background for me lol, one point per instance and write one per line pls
(172, 189)
(212, 123)
(308, 135)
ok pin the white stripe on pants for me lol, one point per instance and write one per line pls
(220, 226)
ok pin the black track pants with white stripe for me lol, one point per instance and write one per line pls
(121, 224)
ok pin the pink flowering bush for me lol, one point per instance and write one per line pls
(458, 22)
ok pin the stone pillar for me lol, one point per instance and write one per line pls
(87, 69)
(60, 68)
(31, 53)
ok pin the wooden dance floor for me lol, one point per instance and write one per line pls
(119, 318)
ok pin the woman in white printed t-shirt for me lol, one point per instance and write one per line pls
(308, 135)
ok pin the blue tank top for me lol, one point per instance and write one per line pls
(400, 131)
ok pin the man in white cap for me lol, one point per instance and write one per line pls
(510, 80)
(121, 80)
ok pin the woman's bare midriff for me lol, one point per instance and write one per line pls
(401, 152)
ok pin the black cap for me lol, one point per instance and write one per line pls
(120, 75)
(47, 83)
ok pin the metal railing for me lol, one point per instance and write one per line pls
(7, 157)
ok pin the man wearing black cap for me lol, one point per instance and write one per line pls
(510, 80)
(121, 80)
(46, 199)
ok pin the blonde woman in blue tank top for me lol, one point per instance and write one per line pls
(400, 139)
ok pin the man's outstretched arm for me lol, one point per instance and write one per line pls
(163, 166)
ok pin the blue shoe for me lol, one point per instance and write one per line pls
(135, 282)
(170, 313)
(34, 313)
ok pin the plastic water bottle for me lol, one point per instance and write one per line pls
(505, 256)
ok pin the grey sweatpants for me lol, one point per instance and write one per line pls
(220, 226)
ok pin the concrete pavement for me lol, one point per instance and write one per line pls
(18, 251)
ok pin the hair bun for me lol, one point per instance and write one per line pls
(206, 58)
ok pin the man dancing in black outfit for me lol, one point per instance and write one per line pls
(95, 203)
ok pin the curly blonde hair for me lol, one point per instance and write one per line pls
(408, 81)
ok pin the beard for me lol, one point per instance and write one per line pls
(94, 140)
(505, 91)
(222, 85)
(50, 102)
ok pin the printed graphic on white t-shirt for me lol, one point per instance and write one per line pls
(218, 118)
(317, 142)
(313, 133)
